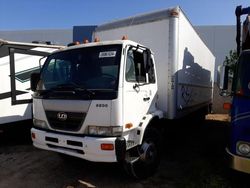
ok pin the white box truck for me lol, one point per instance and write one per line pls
(17, 61)
(102, 101)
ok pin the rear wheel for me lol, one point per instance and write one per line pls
(201, 114)
(143, 160)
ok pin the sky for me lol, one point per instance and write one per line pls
(64, 14)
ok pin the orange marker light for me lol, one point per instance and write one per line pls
(227, 106)
(125, 37)
(85, 41)
(73, 43)
(107, 147)
(97, 39)
(174, 13)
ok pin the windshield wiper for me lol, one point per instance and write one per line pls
(72, 87)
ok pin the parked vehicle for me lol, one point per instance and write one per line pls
(238, 149)
(17, 61)
(102, 101)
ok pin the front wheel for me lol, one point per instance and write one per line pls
(143, 160)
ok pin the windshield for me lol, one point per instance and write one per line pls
(241, 84)
(90, 68)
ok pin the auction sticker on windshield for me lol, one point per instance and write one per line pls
(107, 54)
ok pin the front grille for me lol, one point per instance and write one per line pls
(73, 121)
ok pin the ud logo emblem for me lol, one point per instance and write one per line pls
(62, 116)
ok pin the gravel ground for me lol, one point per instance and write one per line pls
(193, 156)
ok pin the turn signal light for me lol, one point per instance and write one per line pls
(227, 106)
(128, 125)
(107, 147)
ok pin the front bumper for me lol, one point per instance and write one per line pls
(238, 163)
(88, 148)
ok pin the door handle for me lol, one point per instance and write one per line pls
(146, 99)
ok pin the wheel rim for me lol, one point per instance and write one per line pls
(148, 152)
(142, 160)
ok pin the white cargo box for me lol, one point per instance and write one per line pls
(184, 64)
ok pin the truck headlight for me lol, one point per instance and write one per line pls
(243, 148)
(105, 131)
(40, 124)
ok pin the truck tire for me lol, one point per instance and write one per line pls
(143, 160)
(201, 114)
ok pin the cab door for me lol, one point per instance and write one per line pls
(139, 90)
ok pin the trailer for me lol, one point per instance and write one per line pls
(17, 62)
(103, 101)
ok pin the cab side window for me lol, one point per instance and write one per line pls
(151, 72)
(130, 67)
(135, 70)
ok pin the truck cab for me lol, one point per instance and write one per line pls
(104, 101)
(238, 148)
(95, 101)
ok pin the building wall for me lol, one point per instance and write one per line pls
(220, 40)
(80, 33)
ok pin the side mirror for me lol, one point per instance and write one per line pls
(34, 79)
(222, 77)
(222, 80)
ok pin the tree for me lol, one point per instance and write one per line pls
(230, 60)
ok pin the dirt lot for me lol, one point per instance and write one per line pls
(193, 157)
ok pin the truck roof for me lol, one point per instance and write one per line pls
(101, 43)
(141, 18)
